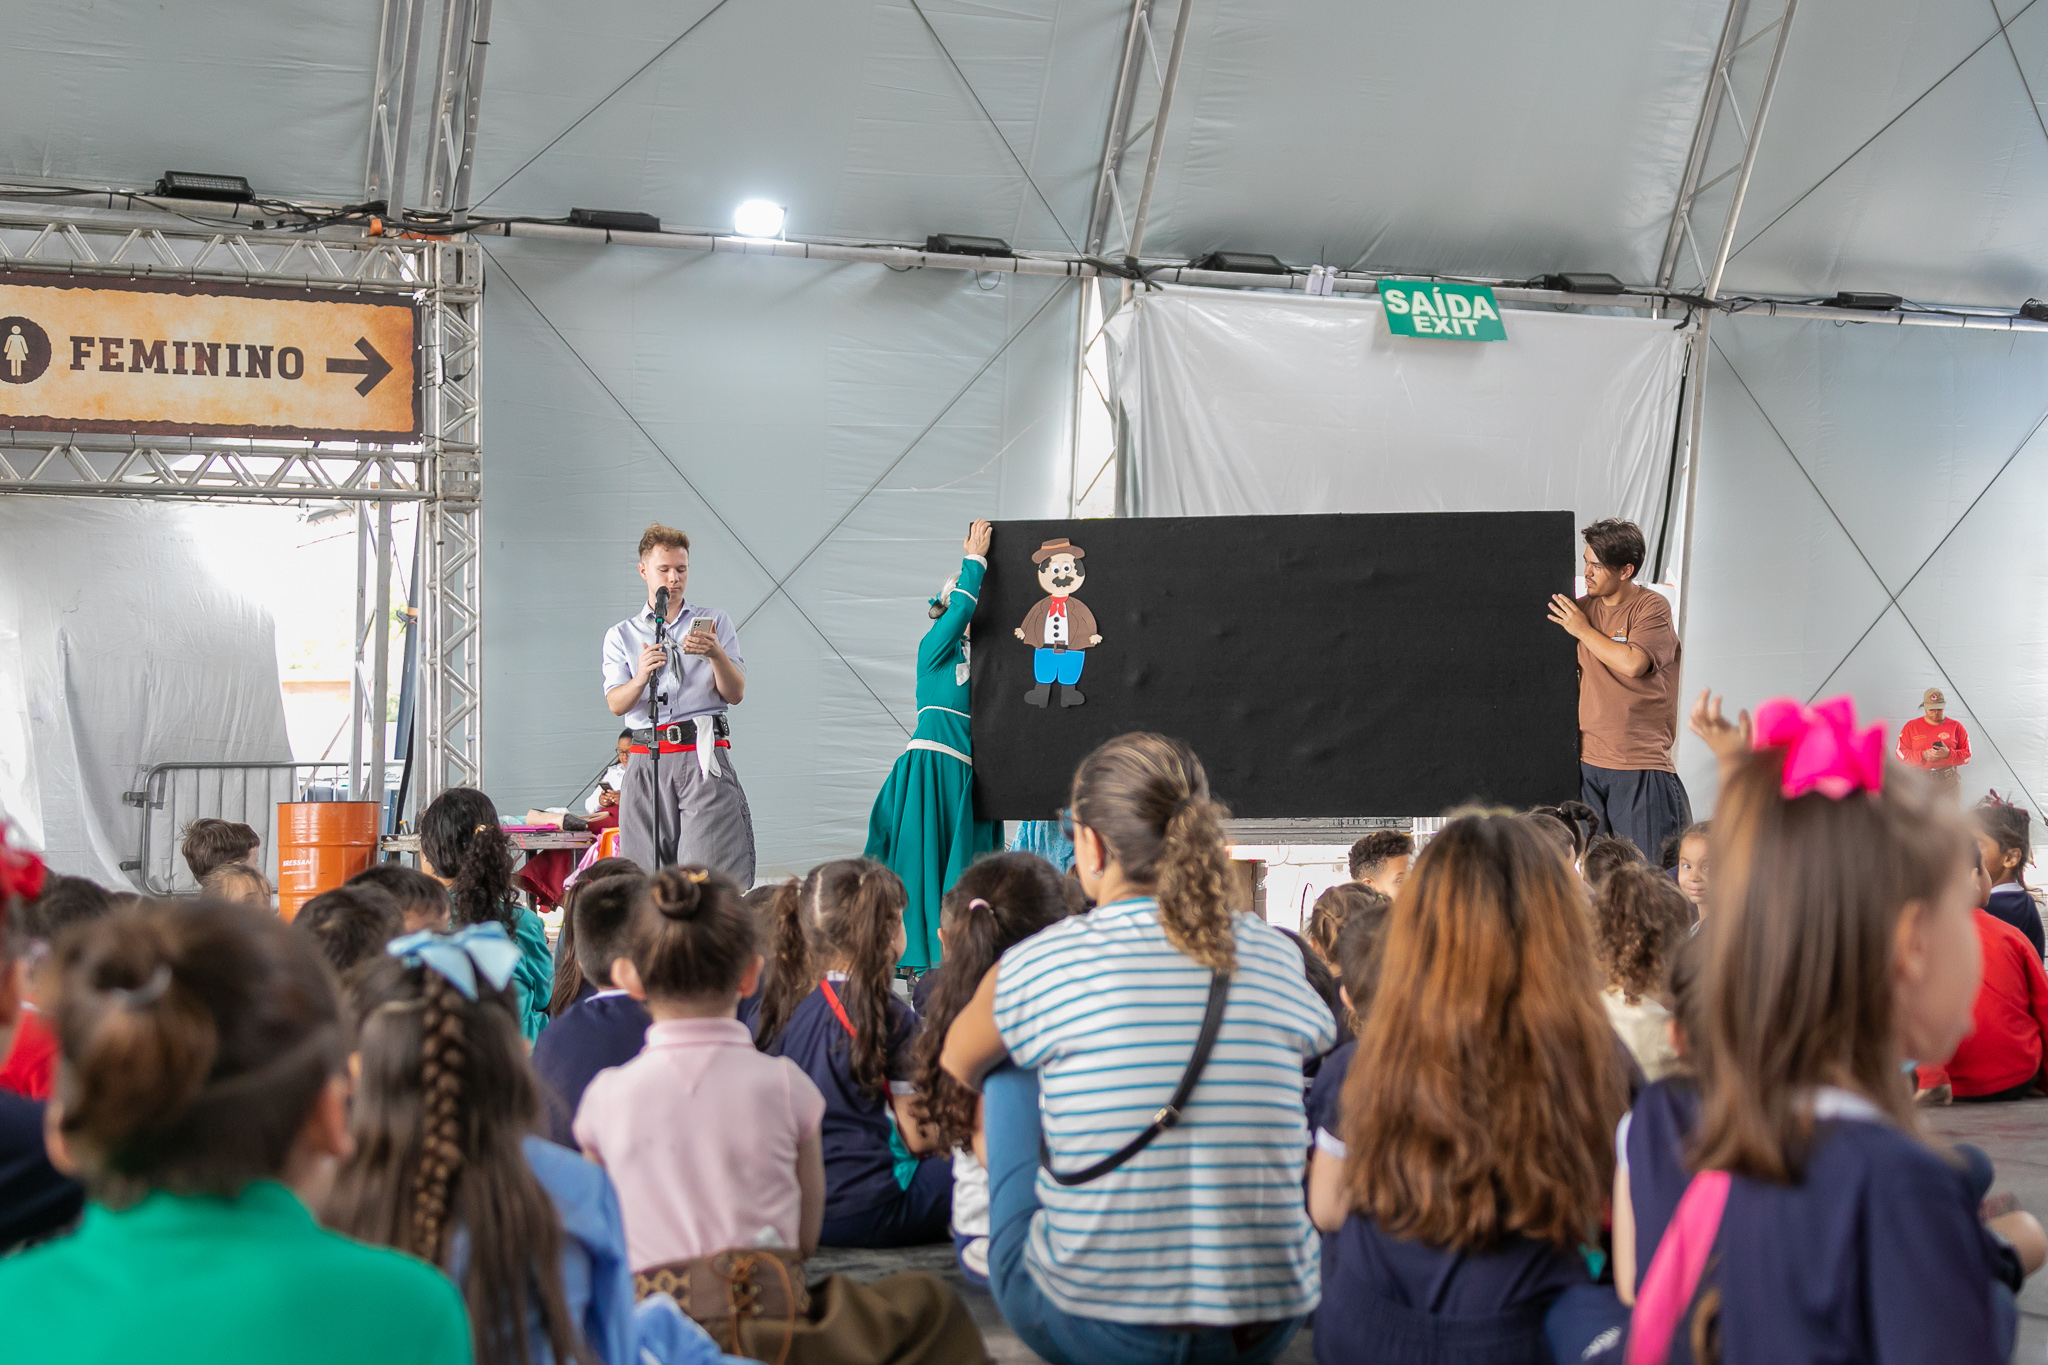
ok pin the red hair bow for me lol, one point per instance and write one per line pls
(21, 873)
(1825, 751)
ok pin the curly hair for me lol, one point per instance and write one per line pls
(1639, 916)
(1332, 911)
(461, 837)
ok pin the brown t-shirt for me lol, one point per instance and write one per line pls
(1630, 722)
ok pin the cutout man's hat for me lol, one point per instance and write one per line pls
(1062, 546)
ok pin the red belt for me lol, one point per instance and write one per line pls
(669, 748)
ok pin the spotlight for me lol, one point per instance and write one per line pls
(1582, 282)
(615, 220)
(227, 189)
(1241, 263)
(957, 244)
(758, 218)
(1850, 298)
(2034, 310)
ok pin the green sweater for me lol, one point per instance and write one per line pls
(534, 977)
(199, 1280)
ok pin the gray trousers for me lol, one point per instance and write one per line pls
(708, 822)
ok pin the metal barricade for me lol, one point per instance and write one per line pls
(173, 795)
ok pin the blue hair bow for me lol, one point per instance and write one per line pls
(460, 956)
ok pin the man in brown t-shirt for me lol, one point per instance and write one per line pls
(1628, 691)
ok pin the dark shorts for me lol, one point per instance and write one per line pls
(1646, 806)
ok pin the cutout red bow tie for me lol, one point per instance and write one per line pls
(1059, 607)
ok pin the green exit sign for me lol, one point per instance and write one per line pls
(1455, 312)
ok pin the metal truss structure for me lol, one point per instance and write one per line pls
(441, 471)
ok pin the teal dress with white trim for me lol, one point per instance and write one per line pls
(923, 823)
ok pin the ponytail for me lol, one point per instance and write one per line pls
(147, 1049)
(790, 978)
(1148, 798)
(460, 835)
(864, 929)
(1194, 881)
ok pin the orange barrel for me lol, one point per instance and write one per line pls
(320, 845)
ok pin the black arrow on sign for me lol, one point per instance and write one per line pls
(372, 367)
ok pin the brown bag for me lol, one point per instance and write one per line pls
(754, 1303)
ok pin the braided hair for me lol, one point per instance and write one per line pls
(444, 1102)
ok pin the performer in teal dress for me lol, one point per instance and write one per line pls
(923, 824)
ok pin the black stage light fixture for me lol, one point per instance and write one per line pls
(959, 244)
(1876, 303)
(1242, 263)
(2034, 310)
(614, 220)
(1582, 282)
(225, 189)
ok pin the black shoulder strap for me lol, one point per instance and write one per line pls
(1205, 1043)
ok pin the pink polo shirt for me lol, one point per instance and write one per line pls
(699, 1134)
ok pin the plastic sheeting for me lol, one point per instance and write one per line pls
(1869, 523)
(1266, 403)
(127, 638)
(831, 428)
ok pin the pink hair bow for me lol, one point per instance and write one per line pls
(1825, 752)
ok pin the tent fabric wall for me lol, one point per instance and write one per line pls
(823, 433)
(1269, 403)
(1869, 522)
(125, 640)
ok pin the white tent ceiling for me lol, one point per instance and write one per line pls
(1906, 150)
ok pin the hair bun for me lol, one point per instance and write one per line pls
(679, 892)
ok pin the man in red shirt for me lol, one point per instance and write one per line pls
(1939, 745)
(2002, 1057)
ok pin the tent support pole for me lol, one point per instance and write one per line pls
(1695, 407)
(398, 59)
(1119, 131)
(1166, 85)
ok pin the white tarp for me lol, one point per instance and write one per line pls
(1271, 403)
(129, 635)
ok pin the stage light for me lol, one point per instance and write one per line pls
(1241, 263)
(1879, 303)
(226, 189)
(2034, 310)
(758, 218)
(1582, 282)
(958, 244)
(615, 220)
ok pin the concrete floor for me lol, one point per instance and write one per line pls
(2014, 1135)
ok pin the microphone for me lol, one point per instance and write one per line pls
(661, 603)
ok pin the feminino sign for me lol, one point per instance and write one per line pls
(200, 358)
(1455, 312)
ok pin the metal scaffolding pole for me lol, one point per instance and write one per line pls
(380, 662)
(1119, 129)
(398, 58)
(1166, 85)
(458, 95)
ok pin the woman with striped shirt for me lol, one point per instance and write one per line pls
(1196, 1248)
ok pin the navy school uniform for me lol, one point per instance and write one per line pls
(604, 1029)
(36, 1200)
(1877, 1253)
(1651, 1142)
(2017, 908)
(876, 1193)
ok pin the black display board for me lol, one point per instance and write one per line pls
(1322, 666)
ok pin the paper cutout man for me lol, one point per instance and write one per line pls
(1060, 629)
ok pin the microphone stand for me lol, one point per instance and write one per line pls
(654, 749)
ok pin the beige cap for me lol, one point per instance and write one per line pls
(1932, 695)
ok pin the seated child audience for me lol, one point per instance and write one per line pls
(36, 1200)
(1478, 1111)
(204, 1093)
(448, 1168)
(605, 1028)
(1651, 1169)
(1333, 910)
(999, 901)
(422, 901)
(832, 1012)
(351, 923)
(209, 843)
(1639, 917)
(1568, 825)
(1358, 953)
(699, 1099)
(1842, 942)
(463, 847)
(238, 884)
(31, 1062)
(1691, 868)
(765, 905)
(2003, 839)
(1380, 860)
(2002, 1057)
(570, 983)
(1606, 854)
